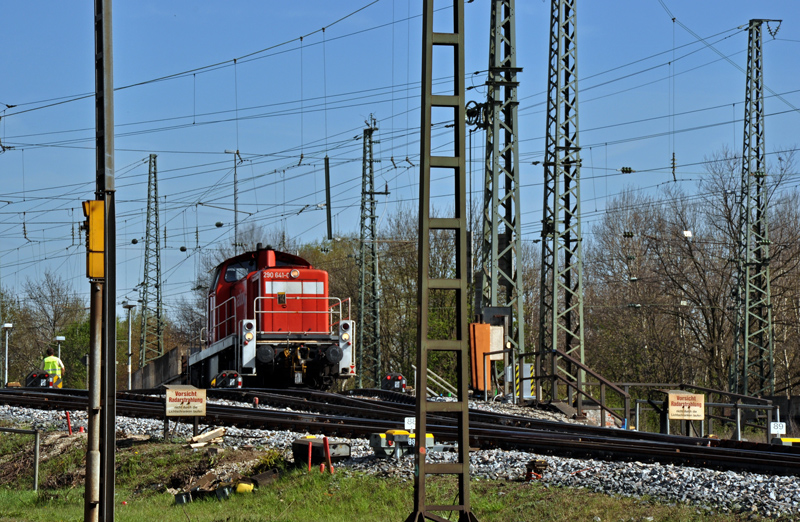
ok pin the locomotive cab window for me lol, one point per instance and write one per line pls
(237, 271)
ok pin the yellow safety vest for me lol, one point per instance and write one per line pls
(51, 365)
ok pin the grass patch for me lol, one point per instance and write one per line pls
(351, 497)
(145, 472)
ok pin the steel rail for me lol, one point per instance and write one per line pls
(611, 444)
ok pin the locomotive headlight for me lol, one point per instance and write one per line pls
(248, 336)
(345, 336)
(295, 273)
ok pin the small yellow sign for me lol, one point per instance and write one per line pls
(686, 406)
(185, 401)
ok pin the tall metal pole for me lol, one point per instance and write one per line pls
(235, 198)
(369, 308)
(105, 190)
(752, 370)
(235, 206)
(92, 499)
(328, 198)
(561, 299)
(453, 280)
(502, 248)
(151, 341)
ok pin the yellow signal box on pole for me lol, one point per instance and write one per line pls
(94, 210)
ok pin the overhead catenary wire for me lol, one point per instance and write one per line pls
(406, 134)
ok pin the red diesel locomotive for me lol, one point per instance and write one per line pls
(271, 323)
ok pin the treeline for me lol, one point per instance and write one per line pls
(659, 287)
(48, 308)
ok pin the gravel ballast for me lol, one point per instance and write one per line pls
(708, 490)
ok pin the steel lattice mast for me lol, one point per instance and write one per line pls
(752, 371)
(453, 279)
(561, 299)
(501, 248)
(369, 307)
(151, 341)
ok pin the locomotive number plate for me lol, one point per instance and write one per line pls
(276, 275)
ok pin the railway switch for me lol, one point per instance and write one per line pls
(398, 443)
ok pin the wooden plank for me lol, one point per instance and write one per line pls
(209, 435)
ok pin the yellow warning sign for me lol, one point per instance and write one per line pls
(185, 401)
(686, 406)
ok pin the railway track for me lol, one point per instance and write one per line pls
(351, 416)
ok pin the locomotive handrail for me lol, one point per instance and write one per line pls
(331, 308)
(341, 303)
(215, 325)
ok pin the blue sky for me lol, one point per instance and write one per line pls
(647, 87)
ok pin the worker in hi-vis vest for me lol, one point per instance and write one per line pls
(55, 367)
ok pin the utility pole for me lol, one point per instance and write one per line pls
(151, 342)
(369, 300)
(501, 279)
(561, 300)
(454, 279)
(101, 264)
(235, 198)
(752, 371)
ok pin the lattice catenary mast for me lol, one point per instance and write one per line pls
(501, 236)
(752, 371)
(449, 162)
(561, 300)
(151, 341)
(369, 304)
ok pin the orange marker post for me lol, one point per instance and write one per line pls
(327, 453)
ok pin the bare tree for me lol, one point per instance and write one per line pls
(51, 306)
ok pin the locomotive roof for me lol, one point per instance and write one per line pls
(281, 259)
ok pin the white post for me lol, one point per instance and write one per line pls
(5, 365)
(6, 327)
(60, 338)
(126, 305)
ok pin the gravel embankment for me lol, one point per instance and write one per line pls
(708, 490)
